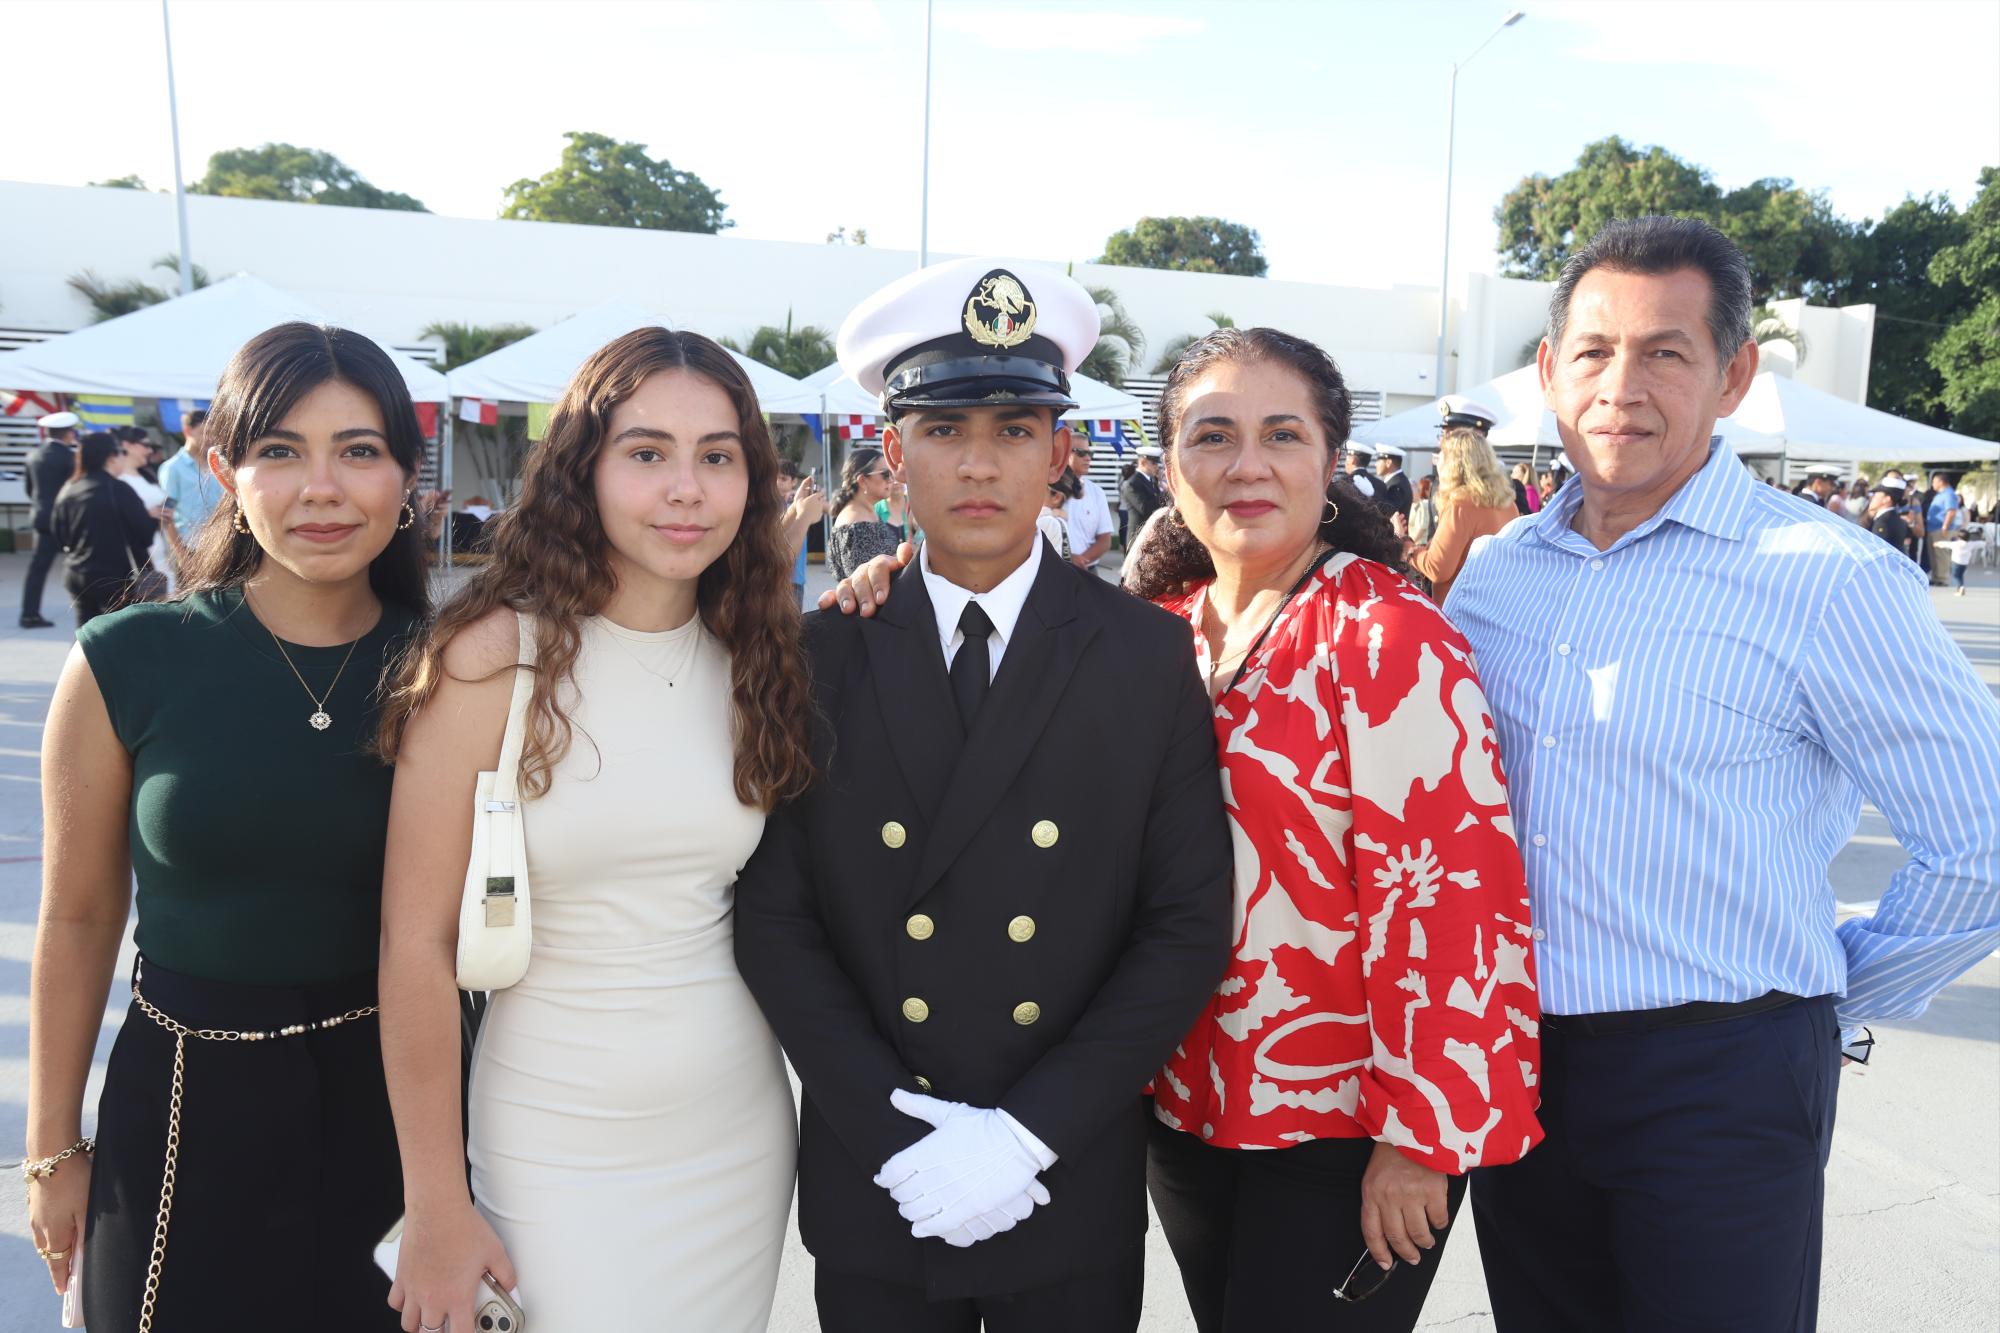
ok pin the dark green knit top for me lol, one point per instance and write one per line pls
(256, 840)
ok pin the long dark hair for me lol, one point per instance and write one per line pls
(552, 559)
(858, 465)
(93, 452)
(264, 381)
(1172, 556)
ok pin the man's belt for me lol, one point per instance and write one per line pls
(1673, 1016)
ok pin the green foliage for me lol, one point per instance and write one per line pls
(1967, 356)
(109, 300)
(790, 351)
(1171, 352)
(1890, 267)
(1120, 343)
(1766, 326)
(469, 342)
(1794, 242)
(602, 182)
(302, 175)
(1197, 245)
(119, 183)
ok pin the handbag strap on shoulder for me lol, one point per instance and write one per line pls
(507, 778)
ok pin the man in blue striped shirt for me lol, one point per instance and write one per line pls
(1696, 679)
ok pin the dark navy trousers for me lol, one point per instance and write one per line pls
(1681, 1185)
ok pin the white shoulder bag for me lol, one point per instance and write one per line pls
(495, 913)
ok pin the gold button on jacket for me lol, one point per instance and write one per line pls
(923, 1083)
(1027, 1012)
(1021, 929)
(920, 927)
(894, 835)
(1045, 833)
(917, 1011)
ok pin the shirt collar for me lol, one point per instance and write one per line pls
(1715, 500)
(1002, 602)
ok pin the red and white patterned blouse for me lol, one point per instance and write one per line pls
(1383, 979)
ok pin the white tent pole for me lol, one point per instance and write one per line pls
(924, 213)
(826, 463)
(174, 121)
(444, 484)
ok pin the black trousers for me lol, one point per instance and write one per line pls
(91, 597)
(1263, 1237)
(39, 562)
(1106, 1302)
(287, 1176)
(1681, 1184)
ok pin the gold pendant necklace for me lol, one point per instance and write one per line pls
(320, 719)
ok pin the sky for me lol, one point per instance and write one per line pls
(1320, 124)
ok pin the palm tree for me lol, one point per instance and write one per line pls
(1172, 351)
(1120, 343)
(469, 342)
(1767, 327)
(498, 451)
(789, 351)
(109, 300)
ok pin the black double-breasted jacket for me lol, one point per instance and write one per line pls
(1007, 918)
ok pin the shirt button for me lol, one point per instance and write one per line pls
(1541, 934)
(1541, 840)
(1562, 649)
(1597, 564)
(1548, 742)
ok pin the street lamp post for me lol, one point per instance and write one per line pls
(1450, 144)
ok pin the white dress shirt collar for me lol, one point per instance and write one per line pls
(1002, 602)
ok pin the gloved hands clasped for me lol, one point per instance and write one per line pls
(971, 1177)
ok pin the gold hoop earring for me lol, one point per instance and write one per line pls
(409, 516)
(240, 523)
(1332, 505)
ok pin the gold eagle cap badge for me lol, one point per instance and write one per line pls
(1000, 313)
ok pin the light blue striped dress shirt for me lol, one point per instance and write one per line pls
(1689, 721)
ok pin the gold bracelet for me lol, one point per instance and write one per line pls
(47, 1166)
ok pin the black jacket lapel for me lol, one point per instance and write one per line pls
(913, 690)
(1048, 641)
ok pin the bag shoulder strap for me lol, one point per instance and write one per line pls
(507, 778)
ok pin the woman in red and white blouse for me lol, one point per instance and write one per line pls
(1375, 1036)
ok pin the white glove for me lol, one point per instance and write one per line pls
(971, 1177)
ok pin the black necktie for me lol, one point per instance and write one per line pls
(972, 668)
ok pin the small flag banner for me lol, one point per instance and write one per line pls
(538, 419)
(27, 403)
(173, 413)
(427, 419)
(1105, 432)
(102, 410)
(857, 427)
(479, 411)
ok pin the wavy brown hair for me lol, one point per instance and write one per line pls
(1172, 556)
(552, 559)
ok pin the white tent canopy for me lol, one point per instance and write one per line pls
(178, 348)
(1095, 400)
(1814, 424)
(1524, 421)
(537, 368)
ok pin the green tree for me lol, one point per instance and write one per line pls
(1890, 268)
(469, 342)
(109, 300)
(795, 352)
(302, 175)
(1171, 352)
(120, 183)
(1967, 356)
(1120, 343)
(1795, 243)
(1197, 245)
(602, 182)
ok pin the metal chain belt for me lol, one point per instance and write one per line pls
(181, 1033)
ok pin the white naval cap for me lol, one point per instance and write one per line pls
(59, 421)
(1388, 451)
(1150, 451)
(1357, 447)
(1459, 410)
(968, 333)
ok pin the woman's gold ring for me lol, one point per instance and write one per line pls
(51, 1254)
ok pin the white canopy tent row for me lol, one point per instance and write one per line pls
(1778, 419)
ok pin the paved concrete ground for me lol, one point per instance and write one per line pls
(1913, 1194)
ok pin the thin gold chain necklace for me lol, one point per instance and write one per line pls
(320, 719)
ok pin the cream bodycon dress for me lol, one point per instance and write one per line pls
(631, 1128)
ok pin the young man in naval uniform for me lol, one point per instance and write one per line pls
(975, 951)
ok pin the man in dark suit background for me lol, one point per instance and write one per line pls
(49, 466)
(1392, 492)
(1142, 492)
(975, 952)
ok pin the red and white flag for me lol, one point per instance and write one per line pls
(479, 411)
(857, 427)
(25, 401)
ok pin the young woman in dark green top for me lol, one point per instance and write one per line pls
(219, 747)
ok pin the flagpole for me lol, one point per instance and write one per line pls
(924, 216)
(174, 121)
